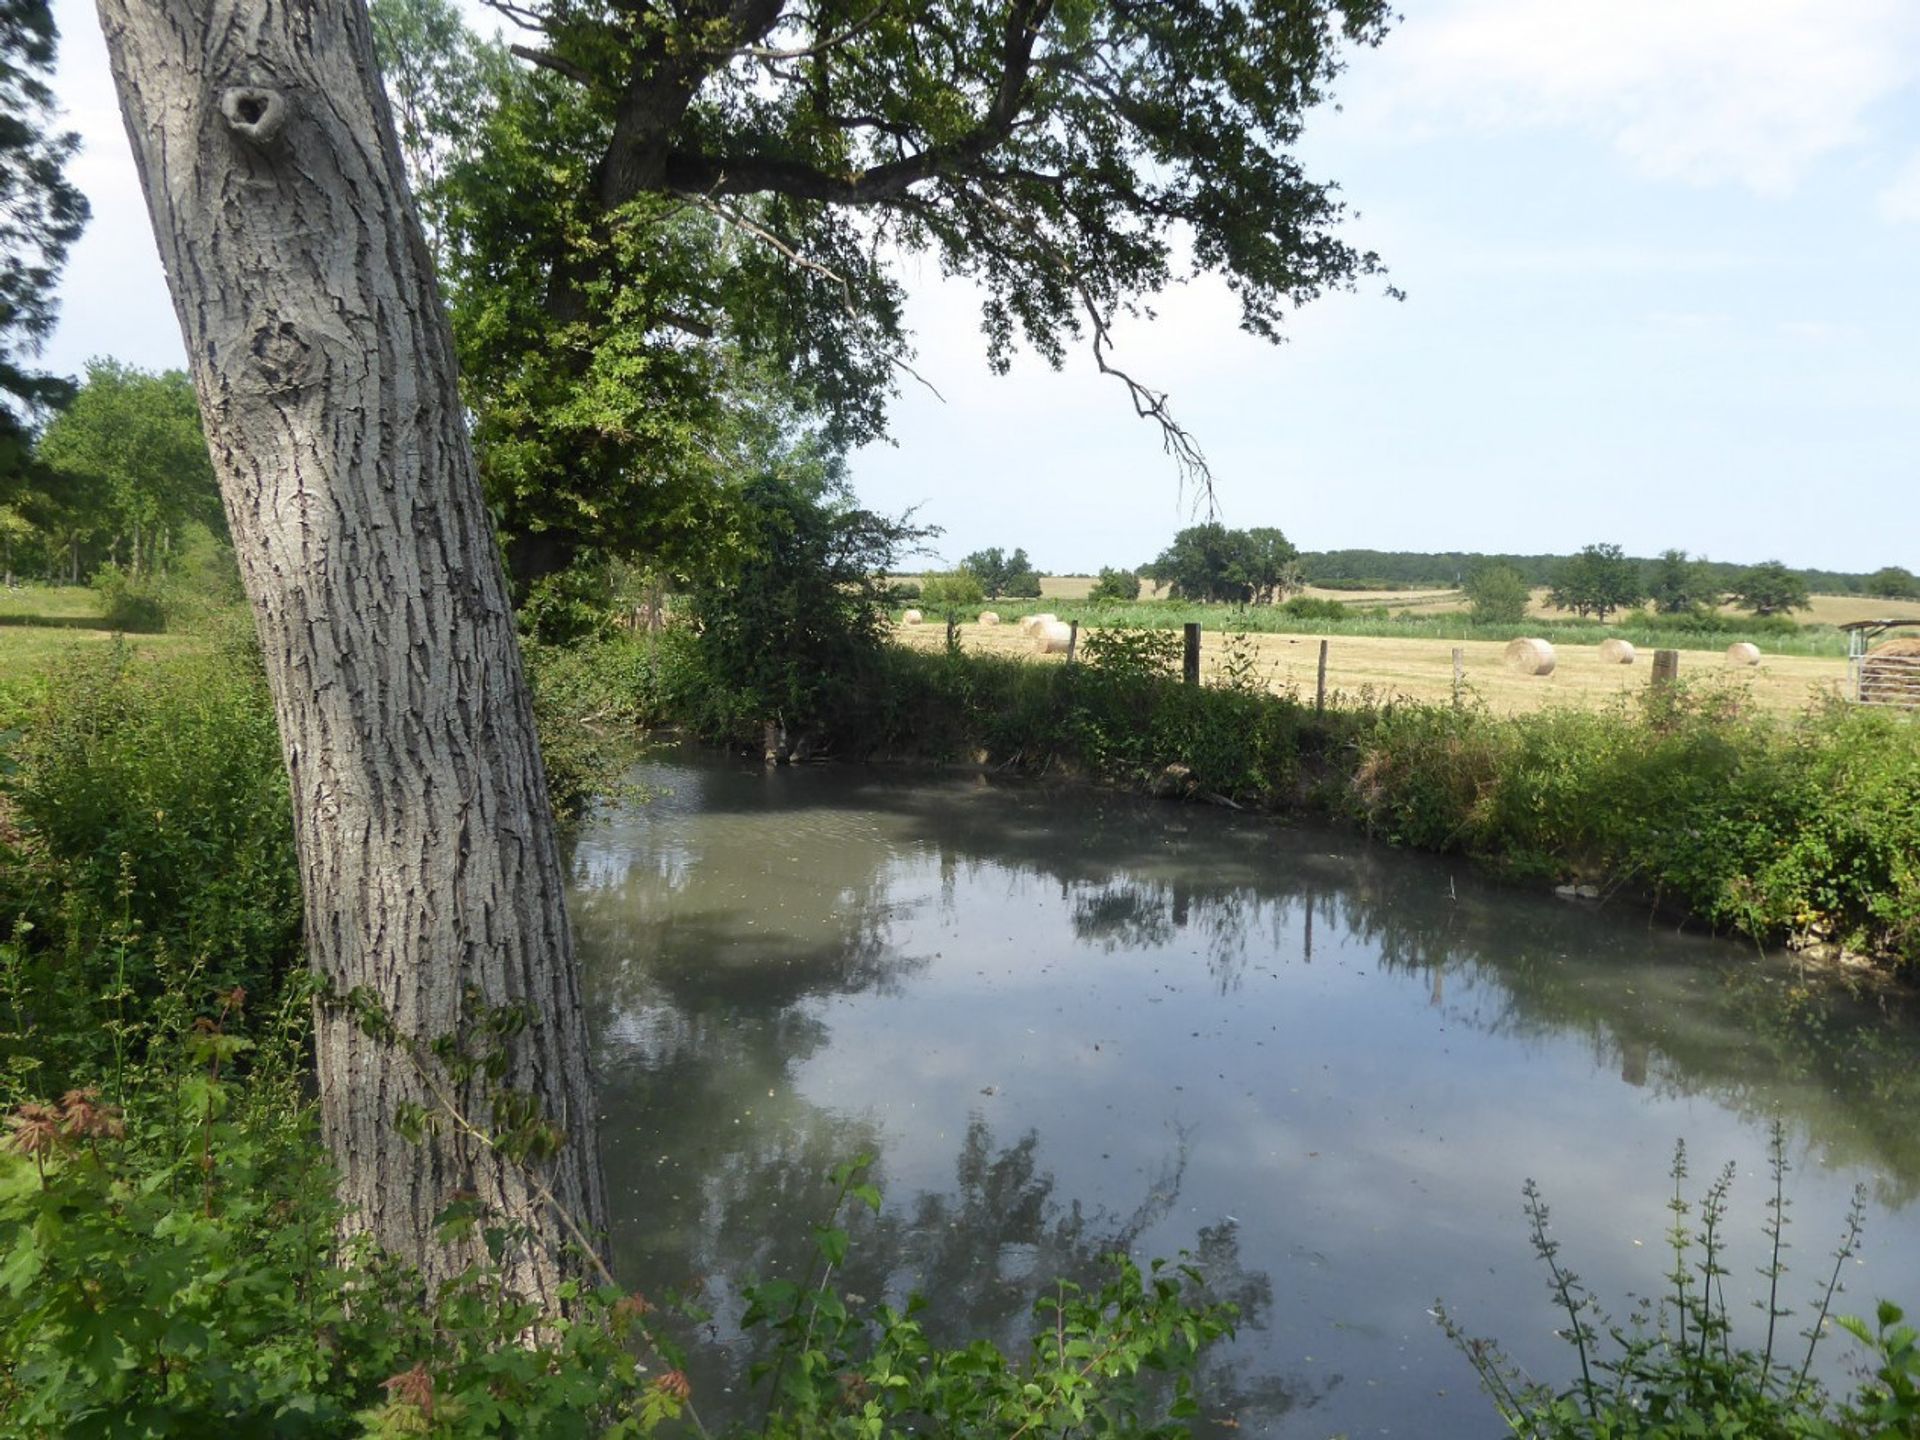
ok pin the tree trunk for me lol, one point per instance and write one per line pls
(324, 366)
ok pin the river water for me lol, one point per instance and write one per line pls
(1066, 1022)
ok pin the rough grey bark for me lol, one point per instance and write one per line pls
(325, 371)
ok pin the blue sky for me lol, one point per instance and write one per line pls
(1660, 263)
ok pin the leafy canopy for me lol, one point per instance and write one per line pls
(1770, 588)
(1497, 595)
(1115, 585)
(953, 591)
(127, 460)
(1210, 562)
(1002, 574)
(1597, 581)
(1893, 582)
(675, 194)
(1677, 584)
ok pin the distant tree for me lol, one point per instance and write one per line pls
(1597, 581)
(1023, 581)
(1270, 564)
(127, 462)
(1676, 584)
(1893, 582)
(1115, 585)
(989, 567)
(1497, 595)
(1002, 574)
(41, 215)
(953, 591)
(1770, 588)
(1206, 563)
(1212, 563)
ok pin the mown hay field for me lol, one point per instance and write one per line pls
(1361, 666)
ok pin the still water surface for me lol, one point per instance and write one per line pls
(1067, 1022)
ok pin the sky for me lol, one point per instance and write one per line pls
(1659, 259)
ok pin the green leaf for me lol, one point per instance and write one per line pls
(831, 1242)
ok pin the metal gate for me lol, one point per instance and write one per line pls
(1885, 674)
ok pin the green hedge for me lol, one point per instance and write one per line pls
(1772, 828)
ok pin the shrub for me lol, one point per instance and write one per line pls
(791, 635)
(957, 590)
(1497, 595)
(135, 606)
(150, 833)
(1314, 607)
(1133, 652)
(586, 693)
(1115, 587)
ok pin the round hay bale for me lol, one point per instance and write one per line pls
(1033, 622)
(988, 617)
(912, 617)
(1616, 652)
(1051, 637)
(1530, 657)
(1743, 652)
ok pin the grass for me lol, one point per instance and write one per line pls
(49, 605)
(1422, 669)
(40, 625)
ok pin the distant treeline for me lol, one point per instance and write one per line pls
(1394, 569)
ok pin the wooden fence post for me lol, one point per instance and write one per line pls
(1320, 685)
(1459, 674)
(1666, 668)
(1190, 664)
(1073, 639)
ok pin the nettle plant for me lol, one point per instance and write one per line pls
(1675, 1366)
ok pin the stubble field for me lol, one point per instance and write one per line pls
(1361, 666)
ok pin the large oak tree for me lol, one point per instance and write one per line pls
(681, 181)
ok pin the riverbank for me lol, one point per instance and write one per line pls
(1800, 830)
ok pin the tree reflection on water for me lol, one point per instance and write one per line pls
(714, 948)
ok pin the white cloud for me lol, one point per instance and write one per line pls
(1751, 92)
(1900, 201)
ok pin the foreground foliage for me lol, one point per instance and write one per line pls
(169, 1252)
(1675, 1366)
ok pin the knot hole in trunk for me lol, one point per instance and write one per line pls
(255, 114)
